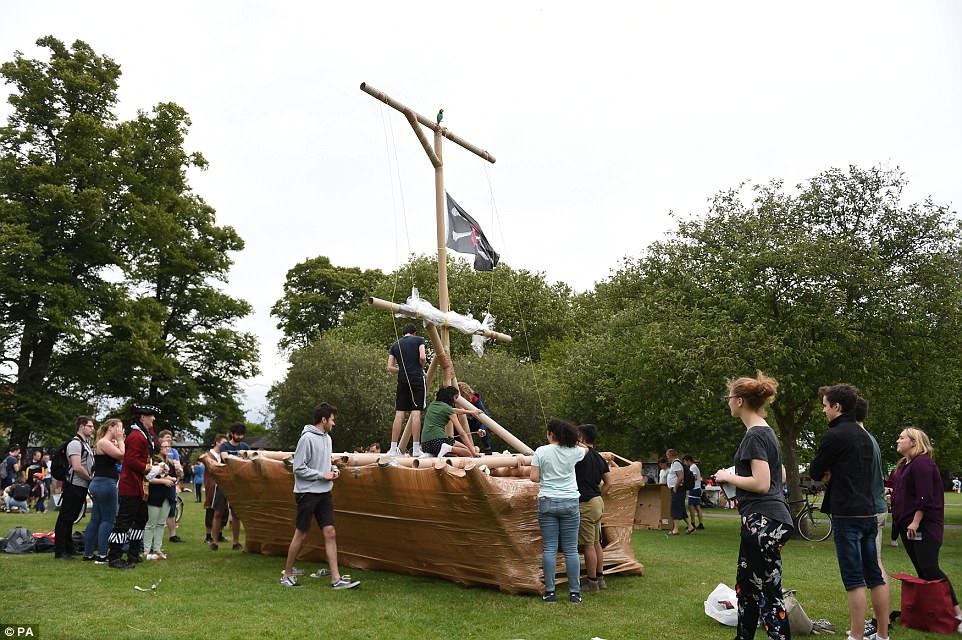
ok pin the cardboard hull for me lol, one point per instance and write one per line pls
(459, 524)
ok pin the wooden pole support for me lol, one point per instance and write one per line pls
(427, 122)
(423, 139)
(496, 428)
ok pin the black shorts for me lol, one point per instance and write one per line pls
(319, 506)
(434, 446)
(219, 503)
(410, 397)
(678, 510)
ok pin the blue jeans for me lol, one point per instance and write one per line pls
(103, 493)
(560, 518)
(855, 548)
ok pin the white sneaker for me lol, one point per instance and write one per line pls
(425, 454)
(394, 452)
(152, 556)
(161, 555)
(445, 450)
(416, 451)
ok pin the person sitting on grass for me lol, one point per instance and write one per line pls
(435, 440)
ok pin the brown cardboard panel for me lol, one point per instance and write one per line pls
(462, 524)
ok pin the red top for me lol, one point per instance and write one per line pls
(136, 464)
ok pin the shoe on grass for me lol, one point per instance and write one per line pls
(345, 582)
(289, 581)
(120, 563)
(237, 547)
(549, 597)
(592, 586)
(324, 573)
(176, 538)
(601, 582)
(574, 598)
(700, 527)
(212, 546)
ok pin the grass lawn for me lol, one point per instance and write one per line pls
(234, 595)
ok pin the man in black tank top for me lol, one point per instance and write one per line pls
(407, 359)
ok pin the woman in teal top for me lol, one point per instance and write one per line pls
(553, 468)
(435, 440)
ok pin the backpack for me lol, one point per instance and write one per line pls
(59, 464)
(20, 491)
(688, 479)
(4, 469)
(19, 540)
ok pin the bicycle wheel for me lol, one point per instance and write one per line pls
(813, 525)
(179, 509)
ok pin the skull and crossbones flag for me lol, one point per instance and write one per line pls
(465, 236)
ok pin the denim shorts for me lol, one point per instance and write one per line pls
(855, 548)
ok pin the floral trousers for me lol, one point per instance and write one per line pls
(758, 581)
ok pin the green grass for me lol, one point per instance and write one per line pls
(234, 595)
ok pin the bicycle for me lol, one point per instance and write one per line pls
(810, 523)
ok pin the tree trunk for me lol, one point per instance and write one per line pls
(787, 435)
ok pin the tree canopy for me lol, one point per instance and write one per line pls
(107, 256)
(837, 280)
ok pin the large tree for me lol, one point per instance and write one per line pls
(108, 255)
(835, 280)
(317, 294)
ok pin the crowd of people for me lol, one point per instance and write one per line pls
(131, 479)
(132, 482)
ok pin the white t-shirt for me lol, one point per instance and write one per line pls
(673, 471)
(697, 473)
(663, 476)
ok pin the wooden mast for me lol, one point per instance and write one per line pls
(442, 340)
(437, 161)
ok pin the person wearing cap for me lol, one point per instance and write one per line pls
(131, 520)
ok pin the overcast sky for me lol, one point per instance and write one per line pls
(602, 120)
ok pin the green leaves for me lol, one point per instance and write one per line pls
(109, 258)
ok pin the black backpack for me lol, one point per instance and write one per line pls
(59, 464)
(688, 479)
(20, 491)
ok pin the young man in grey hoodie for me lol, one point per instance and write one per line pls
(314, 477)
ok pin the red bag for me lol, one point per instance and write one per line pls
(927, 604)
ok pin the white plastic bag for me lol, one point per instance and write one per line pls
(722, 605)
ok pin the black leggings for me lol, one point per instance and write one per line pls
(924, 555)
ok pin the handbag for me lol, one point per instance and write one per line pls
(927, 604)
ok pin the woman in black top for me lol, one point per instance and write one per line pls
(108, 451)
(766, 521)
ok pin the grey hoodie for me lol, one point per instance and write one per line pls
(312, 460)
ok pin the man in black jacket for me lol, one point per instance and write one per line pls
(844, 461)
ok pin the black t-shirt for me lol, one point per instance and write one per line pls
(228, 447)
(588, 473)
(407, 354)
(760, 443)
